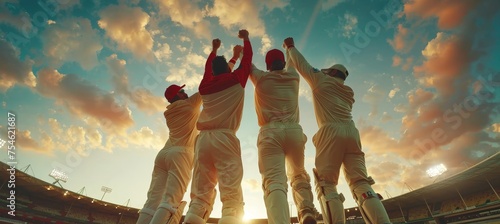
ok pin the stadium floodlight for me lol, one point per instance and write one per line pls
(105, 190)
(58, 176)
(436, 170)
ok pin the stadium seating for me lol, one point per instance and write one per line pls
(78, 213)
(103, 218)
(418, 213)
(452, 205)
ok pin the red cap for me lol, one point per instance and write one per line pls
(272, 56)
(172, 91)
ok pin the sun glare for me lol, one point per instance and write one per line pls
(248, 217)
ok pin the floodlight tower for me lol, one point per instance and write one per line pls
(105, 190)
(58, 176)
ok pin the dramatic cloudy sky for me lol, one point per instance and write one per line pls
(85, 80)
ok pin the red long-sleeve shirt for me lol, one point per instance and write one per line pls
(212, 84)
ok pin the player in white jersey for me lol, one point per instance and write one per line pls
(337, 142)
(217, 150)
(174, 163)
(281, 141)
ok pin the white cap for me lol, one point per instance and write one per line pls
(337, 67)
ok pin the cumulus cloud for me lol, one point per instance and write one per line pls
(84, 100)
(374, 96)
(184, 39)
(146, 138)
(55, 126)
(14, 70)
(187, 70)
(450, 13)
(187, 14)
(496, 127)
(399, 43)
(408, 64)
(163, 52)
(141, 97)
(448, 57)
(405, 64)
(266, 44)
(127, 27)
(448, 118)
(235, 15)
(244, 14)
(349, 23)
(328, 4)
(181, 48)
(24, 140)
(231, 15)
(305, 90)
(146, 101)
(377, 140)
(253, 184)
(396, 61)
(393, 92)
(386, 117)
(58, 137)
(119, 74)
(419, 97)
(20, 21)
(72, 39)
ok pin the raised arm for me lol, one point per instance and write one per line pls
(236, 54)
(208, 65)
(309, 73)
(241, 74)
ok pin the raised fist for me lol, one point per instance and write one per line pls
(237, 50)
(243, 34)
(215, 44)
(288, 42)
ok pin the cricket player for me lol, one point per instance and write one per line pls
(173, 163)
(337, 142)
(217, 150)
(281, 140)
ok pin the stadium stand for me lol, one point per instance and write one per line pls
(471, 196)
(417, 213)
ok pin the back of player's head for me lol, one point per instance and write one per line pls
(219, 65)
(275, 60)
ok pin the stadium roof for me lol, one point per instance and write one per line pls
(471, 180)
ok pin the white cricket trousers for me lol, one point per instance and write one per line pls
(339, 144)
(281, 155)
(170, 178)
(217, 160)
